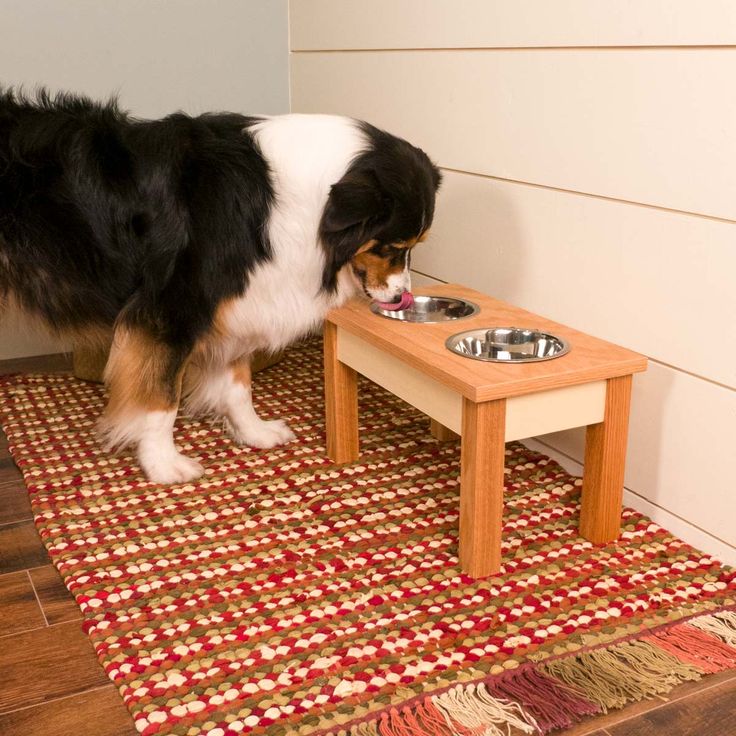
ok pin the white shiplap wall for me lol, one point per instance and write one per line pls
(590, 175)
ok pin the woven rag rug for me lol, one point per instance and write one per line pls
(281, 594)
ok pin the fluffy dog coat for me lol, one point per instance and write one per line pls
(198, 240)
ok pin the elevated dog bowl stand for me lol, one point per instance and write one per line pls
(487, 404)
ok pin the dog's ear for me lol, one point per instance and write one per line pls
(356, 209)
(354, 202)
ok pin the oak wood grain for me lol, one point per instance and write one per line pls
(341, 403)
(442, 433)
(422, 346)
(52, 363)
(712, 711)
(605, 462)
(14, 502)
(688, 689)
(47, 663)
(19, 609)
(9, 472)
(481, 486)
(21, 547)
(57, 602)
(98, 712)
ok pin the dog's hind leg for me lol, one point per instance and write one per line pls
(144, 378)
(226, 391)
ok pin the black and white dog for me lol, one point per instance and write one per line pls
(198, 240)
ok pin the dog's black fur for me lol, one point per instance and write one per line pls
(153, 229)
(105, 217)
(387, 195)
(154, 223)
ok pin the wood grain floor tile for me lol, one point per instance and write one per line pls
(54, 363)
(19, 609)
(20, 547)
(712, 711)
(9, 473)
(14, 503)
(42, 664)
(56, 601)
(589, 726)
(99, 712)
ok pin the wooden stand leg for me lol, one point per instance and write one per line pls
(481, 486)
(442, 433)
(341, 403)
(603, 472)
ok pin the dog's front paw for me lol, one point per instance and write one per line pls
(264, 435)
(171, 468)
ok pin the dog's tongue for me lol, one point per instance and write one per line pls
(407, 299)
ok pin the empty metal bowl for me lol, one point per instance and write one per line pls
(428, 309)
(507, 345)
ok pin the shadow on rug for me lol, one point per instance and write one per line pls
(283, 595)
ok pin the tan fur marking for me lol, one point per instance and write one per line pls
(363, 248)
(221, 319)
(136, 375)
(241, 371)
(206, 350)
(377, 269)
(90, 336)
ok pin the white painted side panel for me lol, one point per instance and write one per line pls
(409, 384)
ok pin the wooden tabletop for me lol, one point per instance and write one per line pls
(423, 347)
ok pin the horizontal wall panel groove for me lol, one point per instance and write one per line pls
(408, 24)
(688, 47)
(657, 282)
(680, 452)
(587, 194)
(648, 126)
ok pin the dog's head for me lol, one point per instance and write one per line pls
(380, 209)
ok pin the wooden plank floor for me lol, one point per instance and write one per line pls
(51, 683)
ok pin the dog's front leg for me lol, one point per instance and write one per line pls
(226, 391)
(144, 379)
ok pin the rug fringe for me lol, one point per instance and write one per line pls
(722, 625)
(560, 691)
(552, 703)
(703, 649)
(468, 710)
(614, 676)
(473, 707)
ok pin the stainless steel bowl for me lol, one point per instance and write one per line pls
(507, 345)
(429, 309)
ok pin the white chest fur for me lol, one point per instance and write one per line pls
(307, 154)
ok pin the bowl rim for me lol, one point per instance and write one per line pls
(386, 314)
(453, 340)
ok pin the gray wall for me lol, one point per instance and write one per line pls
(158, 56)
